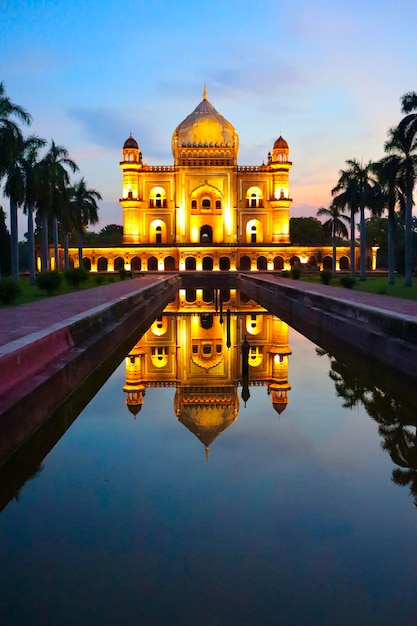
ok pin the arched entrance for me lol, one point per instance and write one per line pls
(244, 263)
(278, 263)
(206, 234)
(152, 264)
(327, 263)
(86, 264)
(135, 264)
(261, 263)
(119, 264)
(224, 263)
(190, 263)
(102, 264)
(169, 264)
(207, 263)
(344, 263)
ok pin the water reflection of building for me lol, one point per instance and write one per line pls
(187, 348)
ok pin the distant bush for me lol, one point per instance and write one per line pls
(9, 290)
(326, 276)
(296, 272)
(285, 273)
(49, 281)
(123, 273)
(112, 279)
(100, 279)
(347, 281)
(75, 276)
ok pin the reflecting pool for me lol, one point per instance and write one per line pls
(201, 487)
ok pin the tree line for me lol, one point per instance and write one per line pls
(386, 185)
(36, 177)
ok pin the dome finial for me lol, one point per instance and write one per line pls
(205, 92)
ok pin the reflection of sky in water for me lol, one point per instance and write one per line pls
(294, 519)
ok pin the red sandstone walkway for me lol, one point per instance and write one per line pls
(398, 306)
(18, 321)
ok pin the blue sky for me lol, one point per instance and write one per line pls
(327, 75)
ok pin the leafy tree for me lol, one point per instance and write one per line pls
(387, 172)
(112, 234)
(356, 191)
(333, 227)
(84, 211)
(305, 231)
(402, 143)
(30, 165)
(11, 141)
(4, 245)
(53, 199)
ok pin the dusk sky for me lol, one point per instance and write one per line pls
(325, 75)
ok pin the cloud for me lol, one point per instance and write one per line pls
(104, 126)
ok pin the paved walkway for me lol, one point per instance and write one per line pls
(398, 306)
(19, 321)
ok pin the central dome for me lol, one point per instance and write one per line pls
(205, 127)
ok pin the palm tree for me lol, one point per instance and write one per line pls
(11, 145)
(387, 172)
(85, 211)
(402, 142)
(32, 170)
(356, 190)
(55, 179)
(334, 226)
(10, 133)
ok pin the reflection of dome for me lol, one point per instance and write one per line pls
(206, 127)
(130, 143)
(280, 143)
(279, 406)
(134, 408)
(206, 412)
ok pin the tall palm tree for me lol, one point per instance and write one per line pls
(334, 226)
(11, 145)
(356, 190)
(10, 133)
(32, 171)
(402, 142)
(85, 211)
(14, 189)
(387, 172)
(55, 179)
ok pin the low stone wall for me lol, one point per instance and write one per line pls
(42, 374)
(387, 337)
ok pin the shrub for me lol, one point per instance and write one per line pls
(326, 276)
(49, 281)
(123, 273)
(296, 272)
(9, 290)
(75, 276)
(347, 281)
(100, 279)
(285, 273)
(111, 279)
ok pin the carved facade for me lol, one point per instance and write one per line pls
(206, 212)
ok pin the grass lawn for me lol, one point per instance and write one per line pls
(376, 284)
(32, 293)
(379, 284)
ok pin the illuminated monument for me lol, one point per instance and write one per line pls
(206, 212)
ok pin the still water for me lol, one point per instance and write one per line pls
(170, 500)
